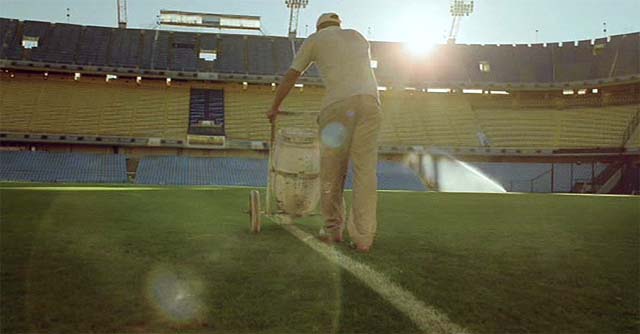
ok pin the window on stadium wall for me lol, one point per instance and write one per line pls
(206, 112)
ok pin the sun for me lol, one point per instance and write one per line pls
(419, 47)
(419, 37)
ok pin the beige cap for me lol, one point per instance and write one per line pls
(328, 17)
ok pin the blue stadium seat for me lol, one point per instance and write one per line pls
(161, 51)
(10, 42)
(124, 48)
(60, 47)
(393, 176)
(261, 54)
(184, 55)
(208, 42)
(63, 167)
(266, 55)
(171, 170)
(232, 54)
(283, 54)
(94, 43)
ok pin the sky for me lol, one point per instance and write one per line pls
(492, 22)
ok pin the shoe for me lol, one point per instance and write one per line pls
(359, 248)
(330, 237)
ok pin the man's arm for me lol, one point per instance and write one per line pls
(287, 82)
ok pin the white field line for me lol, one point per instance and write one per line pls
(427, 318)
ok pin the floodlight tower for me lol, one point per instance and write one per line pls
(458, 9)
(122, 14)
(295, 6)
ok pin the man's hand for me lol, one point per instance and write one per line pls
(271, 115)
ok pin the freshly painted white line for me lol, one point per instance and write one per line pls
(426, 317)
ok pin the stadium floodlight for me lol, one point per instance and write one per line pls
(295, 6)
(458, 9)
(122, 14)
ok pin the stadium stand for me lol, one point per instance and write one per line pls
(172, 170)
(232, 54)
(393, 176)
(183, 55)
(9, 40)
(62, 167)
(40, 101)
(124, 48)
(282, 54)
(421, 119)
(261, 55)
(208, 42)
(94, 108)
(389, 58)
(409, 118)
(93, 46)
(245, 113)
(56, 45)
(550, 128)
(536, 177)
(148, 48)
(161, 45)
(616, 56)
(628, 61)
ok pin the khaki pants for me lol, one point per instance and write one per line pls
(349, 130)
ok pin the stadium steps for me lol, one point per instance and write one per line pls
(62, 167)
(606, 181)
(631, 136)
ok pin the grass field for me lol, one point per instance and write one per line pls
(127, 259)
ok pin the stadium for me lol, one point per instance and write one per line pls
(508, 177)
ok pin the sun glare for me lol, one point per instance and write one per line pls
(419, 47)
(418, 37)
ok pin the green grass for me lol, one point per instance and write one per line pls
(182, 260)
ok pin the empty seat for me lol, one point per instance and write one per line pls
(93, 46)
(232, 54)
(208, 43)
(62, 167)
(10, 42)
(124, 48)
(261, 55)
(183, 52)
(283, 54)
(60, 45)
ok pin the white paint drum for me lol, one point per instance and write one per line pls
(296, 171)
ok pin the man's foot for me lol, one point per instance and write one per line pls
(330, 237)
(359, 248)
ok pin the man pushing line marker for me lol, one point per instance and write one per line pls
(349, 125)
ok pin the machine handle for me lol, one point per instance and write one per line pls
(290, 113)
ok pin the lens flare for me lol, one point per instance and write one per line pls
(333, 135)
(176, 297)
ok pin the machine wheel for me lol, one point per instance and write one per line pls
(254, 211)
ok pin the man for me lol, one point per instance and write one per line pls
(349, 124)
